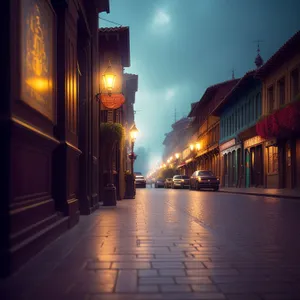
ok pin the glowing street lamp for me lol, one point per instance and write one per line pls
(109, 78)
(133, 135)
(192, 147)
(177, 155)
(198, 146)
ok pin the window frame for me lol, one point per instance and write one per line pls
(269, 88)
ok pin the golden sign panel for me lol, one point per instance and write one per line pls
(227, 145)
(253, 141)
(37, 56)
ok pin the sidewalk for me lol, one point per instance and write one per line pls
(147, 249)
(278, 193)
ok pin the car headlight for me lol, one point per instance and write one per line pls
(182, 180)
(199, 178)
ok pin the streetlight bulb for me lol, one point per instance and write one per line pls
(133, 132)
(109, 78)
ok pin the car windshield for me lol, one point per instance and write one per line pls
(139, 177)
(205, 173)
(185, 177)
(177, 177)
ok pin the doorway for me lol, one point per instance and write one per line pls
(247, 168)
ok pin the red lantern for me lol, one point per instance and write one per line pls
(112, 101)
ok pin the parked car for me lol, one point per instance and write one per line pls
(140, 181)
(168, 183)
(160, 182)
(180, 181)
(204, 179)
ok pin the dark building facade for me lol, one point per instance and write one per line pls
(49, 121)
(115, 49)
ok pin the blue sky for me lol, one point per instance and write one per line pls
(180, 47)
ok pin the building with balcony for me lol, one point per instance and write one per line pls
(206, 147)
(279, 125)
(239, 112)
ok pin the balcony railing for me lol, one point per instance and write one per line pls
(282, 123)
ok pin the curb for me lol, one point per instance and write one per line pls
(261, 194)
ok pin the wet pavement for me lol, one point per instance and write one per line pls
(172, 244)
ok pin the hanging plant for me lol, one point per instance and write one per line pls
(282, 123)
(111, 133)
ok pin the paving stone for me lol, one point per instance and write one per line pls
(114, 258)
(98, 265)
(148, 273)
(126, 281)
(194, 265)
(172, 272)
(156, 280)
(211, 272)
(193, 280)
(167, 265)
(131, 265)
(175, 288)
(216, 265)
(148, 289)
(204, 288)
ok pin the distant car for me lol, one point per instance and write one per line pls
(137, 173)
(168, 183)
(160, 182)
(204, 179)
(140, 181)
(180, 181)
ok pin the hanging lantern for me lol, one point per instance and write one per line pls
(109, 78)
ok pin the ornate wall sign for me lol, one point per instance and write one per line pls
(227, 144)
(113, 101)
(253, 141)
(37, 56)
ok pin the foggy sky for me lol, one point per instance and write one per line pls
(180, 47)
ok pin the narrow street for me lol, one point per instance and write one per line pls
(171, 244)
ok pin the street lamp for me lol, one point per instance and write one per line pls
(109, 78)
(133, 135)
(177, 155)
(192, 147)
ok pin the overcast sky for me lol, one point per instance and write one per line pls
(180, 47)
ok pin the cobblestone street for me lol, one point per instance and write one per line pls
(172, 244)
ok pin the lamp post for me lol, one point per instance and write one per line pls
(133, 135)
(108, 145)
